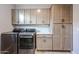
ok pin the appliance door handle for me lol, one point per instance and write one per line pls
(26, 37)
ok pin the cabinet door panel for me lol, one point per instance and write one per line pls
(15, 15)
(57, 37)
(27, 16)
(57, 14)
(63, 13)
(39, 44)
(40, 19)
(43, 16)
(67, 37)
(45, 13)
(47, 43)
(33, 16)
(46, 19)
(62, 38)
(44, 43)
(66, 13)
(21, 16)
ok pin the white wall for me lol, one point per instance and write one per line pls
(76, 28)
(5, 18)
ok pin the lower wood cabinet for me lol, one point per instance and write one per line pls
(57, 37)
(62, 37)
(44, 43)
(68, 37)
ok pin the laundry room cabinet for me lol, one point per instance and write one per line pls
(62, 27)
(27, 16)
(62, 37)
(62, 13)
(15, 15)
(31, 16)
(44, 42)
(43, 16)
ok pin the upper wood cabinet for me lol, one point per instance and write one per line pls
(67, 13)
(33, 15)
(63, 13)
(30, 16)
(15, 15)
(27, 16)
(43, 16)
(57, 14)
(21, 16)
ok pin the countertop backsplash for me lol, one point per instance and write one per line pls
(41, 29)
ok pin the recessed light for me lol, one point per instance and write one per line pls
(38, 10)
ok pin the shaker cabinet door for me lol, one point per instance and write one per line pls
(39, 44)
(43, 16)
(40, 18)
(15, 14)
(21, 16)
(46, 19)
(27, 16)
(67, 38)
(67, 13)
(62, 37)
(57, 37)
(47, 43)
(33, 16)
(63, 13)
(57, 14)
(44, 43)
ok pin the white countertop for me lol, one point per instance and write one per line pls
(44, 30)
(44, 33)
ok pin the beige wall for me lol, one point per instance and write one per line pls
(5, 18)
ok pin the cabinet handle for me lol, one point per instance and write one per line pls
(62, 20)
(63, 26)
(44, 40)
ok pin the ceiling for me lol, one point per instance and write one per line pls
(32, 6)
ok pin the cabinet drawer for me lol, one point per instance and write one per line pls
(44, 44)
(44, 35)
